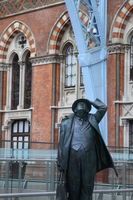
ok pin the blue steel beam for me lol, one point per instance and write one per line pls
(92, 61)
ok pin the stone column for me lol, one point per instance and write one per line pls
(62, 78)
(77, 76)
(7, 144)
(21, 86)
(9, 88)
(126, 72)
(117, 49)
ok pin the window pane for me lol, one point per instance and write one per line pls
(28, 77)
(20, 143)
(70, 75)
(26, 127)
(14, 142)
(131, 60)
(26, 142)
(74, 70)
(73, 80)
(20, 126)
(81, 78)
(15, 82)
(68, 81)
(130, 133)
(73, 59)
(69, 60)
(69, 70)
(15, 127)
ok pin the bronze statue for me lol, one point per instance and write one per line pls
(82, 151)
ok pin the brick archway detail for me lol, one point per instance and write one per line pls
(58, 31)
(12, 30)
(121, 20)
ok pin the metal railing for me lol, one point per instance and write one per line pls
(33, 172)
(39, 149)
(40, 178)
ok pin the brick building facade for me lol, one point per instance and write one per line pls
(37, 52)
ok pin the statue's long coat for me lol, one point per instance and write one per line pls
(104, 159)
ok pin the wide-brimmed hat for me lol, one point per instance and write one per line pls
(81, 100)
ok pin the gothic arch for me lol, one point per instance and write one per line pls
(58, 30)
(120, 22)
(11, 31)
(63, 46)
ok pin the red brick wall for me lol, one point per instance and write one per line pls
(57, 99)
(111, 97)
(121, 76)
(112, 8)
(40, 22)
(4, 89)
(4, 100)
(121, 95)
(42, 100)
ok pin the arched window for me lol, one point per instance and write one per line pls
(131, 60)
(15, 82)
(70, 67)
(28, 75)
(21, 91)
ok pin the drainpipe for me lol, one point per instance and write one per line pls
(52, 186)
(53, 104)
(1, 100)
(117, 98)
(32, 70)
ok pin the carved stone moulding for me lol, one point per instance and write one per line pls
(45, 60)
(17, 115)
(128, 110)
(117, 48)
(4, 66)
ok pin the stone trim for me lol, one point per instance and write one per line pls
(12, 30)
(127, 109)
(17, 7)
(4, 66)
(16, 111)
(118, 48)
(121, 20)
(46, 60)
(11, 116)
(58, 31)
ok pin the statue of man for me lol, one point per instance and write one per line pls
(82, 151)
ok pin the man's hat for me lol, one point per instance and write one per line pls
(81, 100)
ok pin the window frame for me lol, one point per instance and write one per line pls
(130, 134)
(27, 81)
(20, 134)
(72, 64)
(15, 101)
(131, 59)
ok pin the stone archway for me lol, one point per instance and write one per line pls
(12, 30)
(120, 22)
(58, 30)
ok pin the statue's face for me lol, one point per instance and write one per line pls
(81, 106)
(81, 110)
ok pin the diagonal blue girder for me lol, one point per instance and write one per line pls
(92, 60)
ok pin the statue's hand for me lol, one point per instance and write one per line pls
(59, 168)
(93, 104)
(62, 170)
